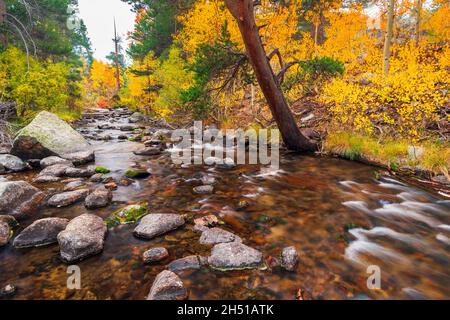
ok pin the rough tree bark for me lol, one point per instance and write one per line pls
(243, 12)
(3, 38)
(418, 21)
(388, 40)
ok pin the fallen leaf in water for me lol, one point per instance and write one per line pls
(299, 295)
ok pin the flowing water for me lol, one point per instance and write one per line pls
(336, 213)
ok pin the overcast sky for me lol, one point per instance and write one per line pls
(98, 16)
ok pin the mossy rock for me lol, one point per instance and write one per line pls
(102, 170)
(47, 135)
(129, 214)
(137, 173)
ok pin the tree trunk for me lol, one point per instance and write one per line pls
(316, 37)
(242, 11)
(418, 20)
(3, 38)
(388, 40)
(116, 50)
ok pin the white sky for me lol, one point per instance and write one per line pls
(98, 15)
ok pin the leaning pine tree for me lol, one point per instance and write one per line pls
(243, 12)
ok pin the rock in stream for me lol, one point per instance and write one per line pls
(40, 233)
(235, 256)
(167, 286)
(47, 135)
(157, 224)
(83, 237)
(19, 198)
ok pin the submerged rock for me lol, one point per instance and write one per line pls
(111, 186)
(101, 197)
(289, 259)
(125, 182)
(5, 233)
(8, 290)
(46, 179)
(207, 221)
(67, 198)
(155, 255)
(137, 173)
(75, 185)
(187, 263)
(83, 237)
(129, 214)
(10, 220)
(50, 161)
(217, 235)
(204, 189)
(167, 286)
(98, 177)
(235, 256)
(40, 233)
(157, 224)
(12, 163)
(19, 198)
(47, 135)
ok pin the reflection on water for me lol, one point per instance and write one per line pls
(338, 216)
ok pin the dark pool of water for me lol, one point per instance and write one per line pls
(336, 213)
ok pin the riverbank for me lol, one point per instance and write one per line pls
(428, 164)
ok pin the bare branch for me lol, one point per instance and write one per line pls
(24, 42)
(287, 66)
(277, 53)
(25, 30)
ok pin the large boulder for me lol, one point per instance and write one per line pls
(12, 163)
(158, 224)
(83, 237)
(167, 286)
(40, 233)
(47, 135)
(19, 198)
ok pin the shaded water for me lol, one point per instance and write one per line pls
(338, 216)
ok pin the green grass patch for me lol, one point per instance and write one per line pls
(392, 153)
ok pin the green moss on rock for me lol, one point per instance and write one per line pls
(136, 173)
(129, 214)
(102, 170)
